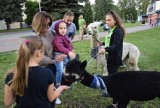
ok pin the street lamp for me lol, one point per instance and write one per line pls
(39, 2)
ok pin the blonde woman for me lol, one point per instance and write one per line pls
(82, 26)
(32, 85)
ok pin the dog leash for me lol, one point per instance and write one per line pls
(92, 59)
(97, 40)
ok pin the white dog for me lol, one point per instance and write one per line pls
(130, 54)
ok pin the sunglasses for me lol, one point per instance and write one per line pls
(47, 25)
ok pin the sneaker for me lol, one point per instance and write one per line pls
(105, 95)
(58, 101)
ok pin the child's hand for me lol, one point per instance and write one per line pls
(64, 87)
(72, 55)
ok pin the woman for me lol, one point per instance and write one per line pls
(82, 26)
(40, 24)
(32, 85)
(113, 42)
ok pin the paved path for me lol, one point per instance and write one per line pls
(11, 41)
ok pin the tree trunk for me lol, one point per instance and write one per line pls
(21, 25)
(8, 24)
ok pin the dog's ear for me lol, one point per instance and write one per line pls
(77, 57)
(83, 64)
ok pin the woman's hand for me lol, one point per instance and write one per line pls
(60, 57)
(102, 51)
(72, 55)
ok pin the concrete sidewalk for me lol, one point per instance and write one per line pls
(11, 41)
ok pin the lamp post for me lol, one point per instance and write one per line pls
(39, 3)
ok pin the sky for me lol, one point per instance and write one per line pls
(93, 1)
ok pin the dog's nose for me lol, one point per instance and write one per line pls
(90, 33)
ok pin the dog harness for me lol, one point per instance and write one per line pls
(99, 83)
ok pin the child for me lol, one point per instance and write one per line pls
(114, 42)
(32, 85)
(61, 45)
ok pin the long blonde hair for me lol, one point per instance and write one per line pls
(118, 21)
(26, 51)
(39, 20)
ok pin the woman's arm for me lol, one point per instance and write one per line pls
(9, 97)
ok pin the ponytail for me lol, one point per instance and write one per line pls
(26, 50)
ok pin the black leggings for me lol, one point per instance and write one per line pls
(112, 69)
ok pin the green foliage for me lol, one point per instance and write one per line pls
(128, 9)
(88, 13)
(11, 11)
(102, 7)
(58, 7)
(30, 11)
(142, 6)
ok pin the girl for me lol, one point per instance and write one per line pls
(32, 86)
(61, 45)
(114, 42)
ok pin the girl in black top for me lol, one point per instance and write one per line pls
(113, 42)
(32, 86)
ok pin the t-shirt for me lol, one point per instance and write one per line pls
(81, 22)
(36, 93)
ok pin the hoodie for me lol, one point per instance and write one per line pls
(61, 43)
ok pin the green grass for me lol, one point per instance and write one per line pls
(84, 97)
(132, 24)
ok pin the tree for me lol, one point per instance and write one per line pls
(11, 11)
(142, 5)
(102, 7)
(30, 11)
(57, 8)
(88, 13)
(128, 9)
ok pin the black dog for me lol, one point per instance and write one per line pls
(122, 86)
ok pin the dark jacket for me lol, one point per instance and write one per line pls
(115, 48)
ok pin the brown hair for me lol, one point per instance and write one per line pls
(118, 21)
(26, 51)
(68, 13)
(38, 21)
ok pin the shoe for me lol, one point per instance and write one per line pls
(105, 95)
(58, 101)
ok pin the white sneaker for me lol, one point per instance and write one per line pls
(58, 101)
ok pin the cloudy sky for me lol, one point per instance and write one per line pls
(93, 1)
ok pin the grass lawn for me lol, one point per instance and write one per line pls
(84, 97)
(132, 24)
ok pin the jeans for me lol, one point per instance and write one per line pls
(59, 67)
